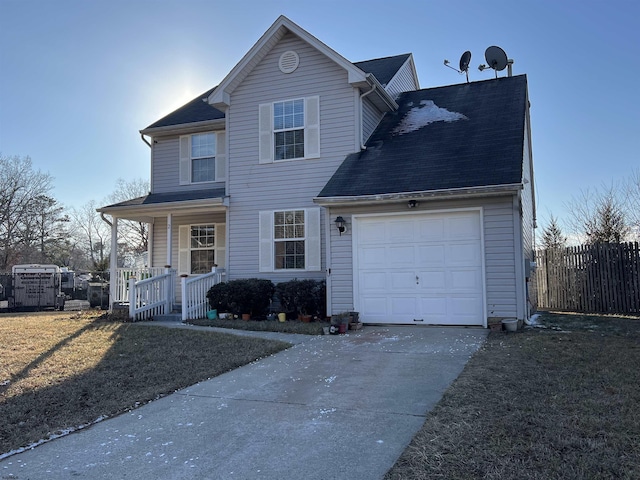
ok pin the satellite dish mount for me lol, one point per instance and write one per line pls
(465, 59)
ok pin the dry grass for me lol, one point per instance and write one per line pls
(290, 326)
(59, 371)
(555, 403)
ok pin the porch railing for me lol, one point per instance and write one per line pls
(121, 291)
(194, 293)
(151, 296)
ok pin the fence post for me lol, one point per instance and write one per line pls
(183, 293)
(168, 301)
(132, 298)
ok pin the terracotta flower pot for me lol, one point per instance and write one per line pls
(246, 316)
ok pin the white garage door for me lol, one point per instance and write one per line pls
(420, 269)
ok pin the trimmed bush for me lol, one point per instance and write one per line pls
(249, 295)
(307, 297)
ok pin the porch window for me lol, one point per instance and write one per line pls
(201, 247)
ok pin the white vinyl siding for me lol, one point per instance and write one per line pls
(371, 118)
(402, 81)
(310, 127)
(310, 236)
(257, 184)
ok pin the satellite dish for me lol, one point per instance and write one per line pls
(465, 59)
(496, 58)
(464, 64)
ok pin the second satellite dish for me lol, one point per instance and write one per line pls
(496, 58)
(465, 59)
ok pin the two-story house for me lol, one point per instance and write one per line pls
(416, 205)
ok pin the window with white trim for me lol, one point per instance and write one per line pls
(290, 240)
(202, 158)
(201, 247)
(289, 129)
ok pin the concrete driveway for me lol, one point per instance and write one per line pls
(331, 407)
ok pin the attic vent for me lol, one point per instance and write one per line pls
(289, 61)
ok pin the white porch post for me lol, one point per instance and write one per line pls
(169, 239)
(113, 263)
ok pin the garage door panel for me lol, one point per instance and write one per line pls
(400, 231)
(402, 306)
(372, 232)
(432, 281)
(401, 255)
(372, 256)
(373, 305)
(402, 281)
(430, 255)
(374, 281)
(463, 226)
(431, 229)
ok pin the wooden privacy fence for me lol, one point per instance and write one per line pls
(600, 278)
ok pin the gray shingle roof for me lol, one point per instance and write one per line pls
(170, 197)
(470, 135)
(197, 110)
(383, 68)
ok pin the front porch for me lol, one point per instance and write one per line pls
(152, 292)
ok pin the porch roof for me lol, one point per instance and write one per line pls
(158, 204)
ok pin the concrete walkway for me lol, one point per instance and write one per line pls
(330, 407)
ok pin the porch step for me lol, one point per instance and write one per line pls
(172, 317)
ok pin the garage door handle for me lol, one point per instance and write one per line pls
(417, 280)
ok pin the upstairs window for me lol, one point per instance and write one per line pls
(289, 130)
(288, 127)
(202, 158)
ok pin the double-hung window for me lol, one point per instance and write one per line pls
(201, 247)
(202, 158)
(290, 240)
(289, 129)
(289, 237)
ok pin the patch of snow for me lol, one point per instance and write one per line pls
(424, 114)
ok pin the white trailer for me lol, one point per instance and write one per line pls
(36, 287)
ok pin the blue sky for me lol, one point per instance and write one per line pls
(80, 78)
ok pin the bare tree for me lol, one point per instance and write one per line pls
(20, 187)
(134, 235)
(92, 234)
(552, 236)
(44, 230)
(599, 216)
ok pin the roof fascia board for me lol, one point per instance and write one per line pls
(445, 194)
(221, 95)
(218, 124)
(386, 103)
(156, 209)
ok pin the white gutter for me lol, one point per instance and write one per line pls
(184, 127)
(424, 195)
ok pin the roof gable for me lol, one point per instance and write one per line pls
(455, 137)
(384, 69)
(220, 96)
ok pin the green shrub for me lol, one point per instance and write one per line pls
(249, 295)
(307, 297)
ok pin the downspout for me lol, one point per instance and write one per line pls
(145, 140)
(104, 219)
(373, 88)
